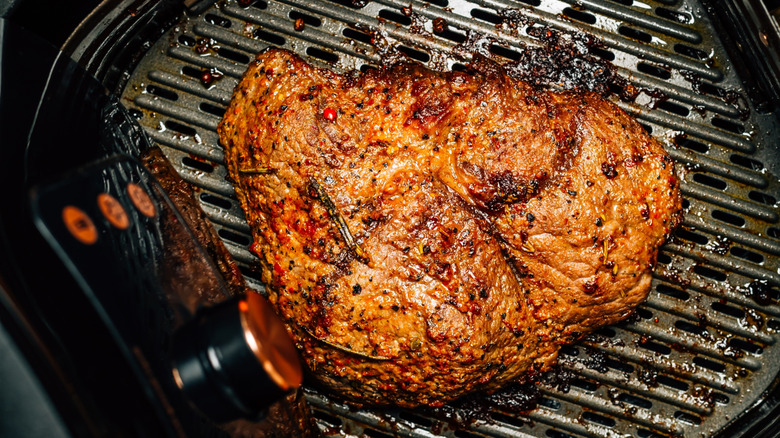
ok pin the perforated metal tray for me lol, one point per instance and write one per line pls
(703, 347)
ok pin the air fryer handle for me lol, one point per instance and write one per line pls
(235, 359)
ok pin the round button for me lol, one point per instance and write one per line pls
(79, 225)
(141, 200)
(113, 211)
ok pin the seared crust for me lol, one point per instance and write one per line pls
(485, 223)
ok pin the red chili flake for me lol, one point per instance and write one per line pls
(329, 114)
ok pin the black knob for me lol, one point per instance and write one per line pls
(235, 359)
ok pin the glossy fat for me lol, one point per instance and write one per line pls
(493, 222)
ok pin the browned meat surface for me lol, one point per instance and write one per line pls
(430, 234)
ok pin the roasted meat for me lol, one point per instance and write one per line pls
(425, 235)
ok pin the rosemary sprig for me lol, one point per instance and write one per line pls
(341, 224)
(260, 170)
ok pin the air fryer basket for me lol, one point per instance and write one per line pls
(700, 352)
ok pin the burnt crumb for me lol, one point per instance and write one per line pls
(530, 217)
(760, 292)
(564, 60)
(648, 376)
(609, 170)
(596, 361)
(439, 25)
(356, 289)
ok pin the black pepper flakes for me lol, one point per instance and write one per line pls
(356, 289)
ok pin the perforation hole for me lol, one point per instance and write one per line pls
(552, 433)
(748, 255)
(693, 145)
(687, 418)
(664, 259)
(579, 15)
(269, 37)
(191, 71)
(550, 403)
(656, 347)
(252, 274)
(673, 108)
(508, 419)
(216, 201)
(634, 400)
(452, 36)
(710, 273)
(459, 67)
(162, 92)
(570, 350)
(762, 197)
(719, 398)
(593, 417)
(673, 292)
(635, 34)
(672, 383)
(350, 3)
(691, 236)
(680, 17)
(619, 366)
(355, 35)
(323, 55)
(773, 324)
(606, 332)
(236, 238)
(745, 345)
(623, 2)
(187, 40)
(415, 54)
(376, 434)
(707, 180)
(691, 328)
(644, 313)
(773, 232)
(440, 3)
(709, 364)
(197, 165)
(712, 90)
(308, 19)
(728, 218)
(585, 384)
(181, 129)
(416, 419)
(218, 21)
(481, 14)
(648, 129)
(259, 4)
(233, 55)
(602, 53)
(728, 125)
(212, 109)
(728, 310)
(644, 433)
(746, 162)
(690, 52)
(466, 434)
(653, 70)
(506, 53)
(395, 17)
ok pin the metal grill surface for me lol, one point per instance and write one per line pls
(703, 347)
